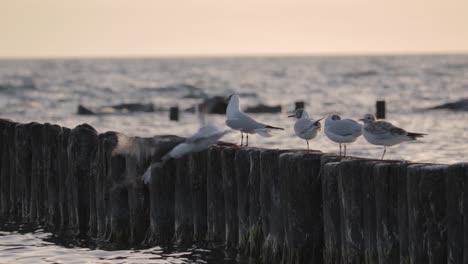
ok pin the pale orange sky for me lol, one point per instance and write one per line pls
(76, 28)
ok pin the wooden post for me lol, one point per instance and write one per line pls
(456, 183)
(303, 221)
(331, 214)
(427, 213)
(174, 113)
(215, 196)
(299, 105)
(272, 212)
(183, 203)
(380, 109)
(389, 232)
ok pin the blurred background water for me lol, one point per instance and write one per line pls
(50, 91)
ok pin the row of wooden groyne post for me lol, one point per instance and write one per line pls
(267, 206)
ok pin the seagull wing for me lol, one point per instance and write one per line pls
(345, 127)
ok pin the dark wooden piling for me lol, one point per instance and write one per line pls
(23, 156)
(7, 129)
(100, 226)
(51, 170)
(82, 143)
(62, 179)
(215, 197)
(302, 206)
(162, 188)
(380, 109)
(299, 105)
(36, 212)
(174, 113)
(456, 182)
(351, 191)
(230, 198)
(138, 210)
(183, 203)
(426, 213)
(387, 195)
(161, 193)
(255, 229)
(272, 212)
(331, 214)
(198, 171)
(242, 170)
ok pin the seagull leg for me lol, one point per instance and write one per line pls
(344, 150)
(384, 150)
(340, 149)
(308, 150)
(247, 144)
(242, 138)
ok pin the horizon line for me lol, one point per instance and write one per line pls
(238, 55)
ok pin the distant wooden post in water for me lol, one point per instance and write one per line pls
(299, 105)
(174, 113)
(380, 109)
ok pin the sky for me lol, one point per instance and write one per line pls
(118, 28)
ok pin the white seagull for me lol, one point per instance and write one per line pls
(305, 127)
(342, 131)
(238, 120)
(206, 136)
(384, 133)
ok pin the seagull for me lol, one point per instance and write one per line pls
(206, 136)
(342, 131)
(238, 120)
(305, 127)
(384, 133)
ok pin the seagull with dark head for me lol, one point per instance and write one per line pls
(238, 120)
(305, 127)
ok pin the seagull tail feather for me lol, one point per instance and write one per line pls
(415, 135)
(272, 127)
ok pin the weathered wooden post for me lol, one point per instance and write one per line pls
(174, 113)
(380, 109)
(183, 203)
(51, 170)
(242, 163)
(271, 206)
(198, 173)
(299, 105)
(82, 143)
(456, 184)
(23, 169)
(7, 133)
(427, 213)
(230, 197)
(301, 196)
(215, 197)
(357, 211)
(62, 179)
(390, 202)
(162, 194)
(37, 203)
(106, 144)
(331, 212)
(255, 230)
(162, 205)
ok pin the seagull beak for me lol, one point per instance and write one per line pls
(291, 115)
(320, 119)
(361, 119)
